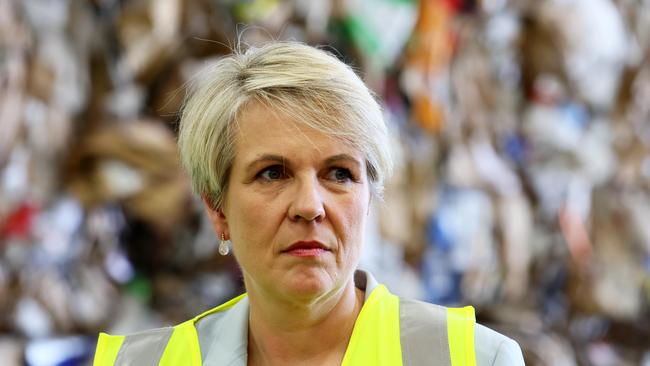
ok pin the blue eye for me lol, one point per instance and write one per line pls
(271, 173)
(340, 175)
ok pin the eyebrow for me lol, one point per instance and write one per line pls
(272, 158)
(265, 158)
(343, 157)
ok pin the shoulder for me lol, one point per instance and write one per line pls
(221, 324)
(495, 349)
(150, 336)
(113, 349)
(491, 348)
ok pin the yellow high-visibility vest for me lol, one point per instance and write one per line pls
(388, 331)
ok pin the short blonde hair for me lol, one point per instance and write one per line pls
(297, 80)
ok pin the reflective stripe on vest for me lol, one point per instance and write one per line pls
(435, 335)
(388, 331)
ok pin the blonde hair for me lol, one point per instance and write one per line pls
(300, 81)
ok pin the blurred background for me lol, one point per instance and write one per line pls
(521, 131)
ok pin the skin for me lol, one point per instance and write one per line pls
(290, 183)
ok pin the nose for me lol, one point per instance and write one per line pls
(307, 202)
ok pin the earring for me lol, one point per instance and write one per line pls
(223, 246)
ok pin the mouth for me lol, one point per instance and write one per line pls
(306, 249)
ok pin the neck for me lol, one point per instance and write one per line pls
(304, 332)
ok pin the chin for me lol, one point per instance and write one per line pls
(307, 286)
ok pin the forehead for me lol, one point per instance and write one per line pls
(262, 130)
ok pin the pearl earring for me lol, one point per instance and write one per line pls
(223, 246)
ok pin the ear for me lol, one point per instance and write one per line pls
(217, 218)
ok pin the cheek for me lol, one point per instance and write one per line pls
(254, 220)
(355, 214)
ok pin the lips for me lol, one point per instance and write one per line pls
(306, 249)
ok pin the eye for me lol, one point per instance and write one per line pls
(272, 173)
(340, 175)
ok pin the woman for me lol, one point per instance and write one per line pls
(288, 148)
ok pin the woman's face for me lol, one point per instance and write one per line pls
(295, 208)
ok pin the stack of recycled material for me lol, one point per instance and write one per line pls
(521, 132)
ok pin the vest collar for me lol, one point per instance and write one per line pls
(228, 342)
